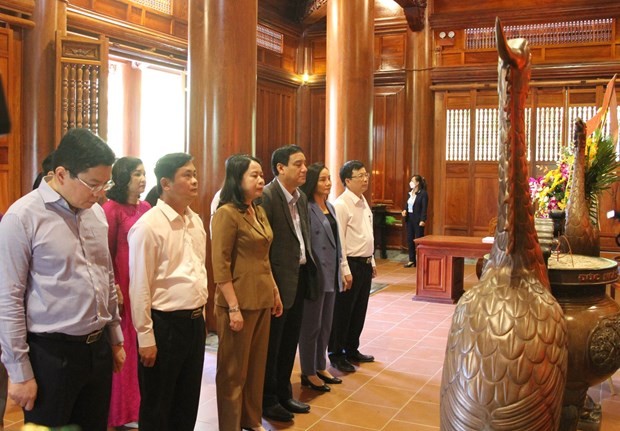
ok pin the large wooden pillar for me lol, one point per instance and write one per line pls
(420, 107)
(38, 100)
(350, 89)
(222, 96)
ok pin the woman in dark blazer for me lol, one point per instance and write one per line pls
(414, 216)
(327, 251)
(246, 294)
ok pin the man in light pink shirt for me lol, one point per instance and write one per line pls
(168, 291)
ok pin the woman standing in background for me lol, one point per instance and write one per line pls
(122, 210)
(414, 215)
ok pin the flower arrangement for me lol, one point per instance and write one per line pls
(551, 191)
(602, 168)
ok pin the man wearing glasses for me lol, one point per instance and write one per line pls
(59, 326)
(357, 239)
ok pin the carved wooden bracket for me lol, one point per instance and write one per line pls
(414, 11)
(312, 10)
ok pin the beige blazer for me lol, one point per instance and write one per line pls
(240, 252)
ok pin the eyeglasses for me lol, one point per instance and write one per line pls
(102, 188)
(363, 175)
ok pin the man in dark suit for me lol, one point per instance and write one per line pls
(292, 267)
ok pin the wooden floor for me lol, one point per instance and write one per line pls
(400, 391)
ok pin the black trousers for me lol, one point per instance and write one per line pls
(350, 311)
(283, 339)
(74, 382)
(170, 390)
(414, 230)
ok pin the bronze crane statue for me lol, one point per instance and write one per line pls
(506, 355)
(582, 235)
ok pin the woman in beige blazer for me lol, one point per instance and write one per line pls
(246, 294)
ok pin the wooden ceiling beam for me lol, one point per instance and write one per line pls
(20, 6)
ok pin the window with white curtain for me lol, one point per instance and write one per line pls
(116, 114)
(161, 117)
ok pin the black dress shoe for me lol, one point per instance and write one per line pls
(277, 413)
(330, 380)
(340, 363)
(305, 381)
(295, 406)
(360, 357)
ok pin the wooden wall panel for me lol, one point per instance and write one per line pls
(10, 151)
(112, 8)
(389, 155)
(479, 57)
(134, 15)
(390, 51)
(6, 147)
(484, 202)
(5, 192)
(457, 203)
(610, 228)
(157, 21)
(275, 120)
(569, 54)
(318, 56)
(179, 29)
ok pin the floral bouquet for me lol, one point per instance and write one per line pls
(550, 191)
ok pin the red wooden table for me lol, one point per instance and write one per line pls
(440, 264)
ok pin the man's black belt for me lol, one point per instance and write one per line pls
(364, 260)
(93, 337)
(179, 314)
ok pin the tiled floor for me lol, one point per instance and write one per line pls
(400, 391)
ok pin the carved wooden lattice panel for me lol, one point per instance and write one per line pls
(81, 84)
(457, 134)
(557, 33)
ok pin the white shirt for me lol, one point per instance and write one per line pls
(166, 266)
(411, 201)
(354, 227)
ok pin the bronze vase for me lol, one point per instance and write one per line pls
(593, 320)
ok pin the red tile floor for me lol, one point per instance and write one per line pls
(400, 391)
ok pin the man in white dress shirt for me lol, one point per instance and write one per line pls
(168, 291)
(357, 239)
